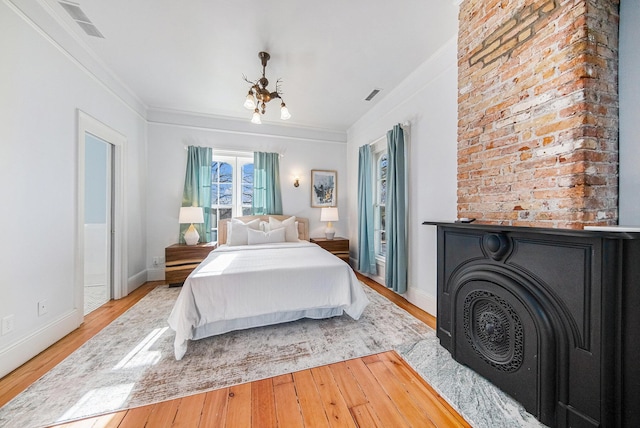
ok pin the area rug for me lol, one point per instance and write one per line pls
(130, 362)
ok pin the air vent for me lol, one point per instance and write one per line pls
(372, 94)
(81, 19)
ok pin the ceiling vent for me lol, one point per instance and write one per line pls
(372, 94)
(81, 19)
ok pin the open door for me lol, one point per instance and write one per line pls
(98, 201)
(101, 256)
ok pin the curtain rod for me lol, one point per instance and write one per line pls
(406, 127)
(231, 152)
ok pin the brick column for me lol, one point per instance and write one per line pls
(538, 112)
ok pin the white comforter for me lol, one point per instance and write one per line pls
(250, 286)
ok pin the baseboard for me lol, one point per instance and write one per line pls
(422, 300)
(155, 274)
(417, 297)
(136, 281)
(379, 277)
(28, 347)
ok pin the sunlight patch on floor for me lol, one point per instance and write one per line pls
(141, 355)
(100, 400)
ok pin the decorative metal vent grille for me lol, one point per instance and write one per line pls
(494, 330)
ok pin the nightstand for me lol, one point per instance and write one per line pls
(182, 259)
(336, 246)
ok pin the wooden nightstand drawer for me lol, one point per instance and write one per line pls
(181, 260)
(337, 246)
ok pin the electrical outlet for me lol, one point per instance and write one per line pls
(155, 261)
(43, 307)
(8, 324)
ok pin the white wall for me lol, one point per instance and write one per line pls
(168, 159)
(428, 100)
(41, 87)
(629, 89)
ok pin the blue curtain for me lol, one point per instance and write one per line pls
(396, 213)
(366, 245)
(267, 198)
(197, 189)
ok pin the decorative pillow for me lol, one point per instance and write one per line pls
(289, 224)
(259, 237)
(237, 231)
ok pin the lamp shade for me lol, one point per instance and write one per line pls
(249, 102)
(191, 215)
(329, 214)
(256, 117)
(284, 112)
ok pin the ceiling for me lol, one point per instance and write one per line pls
(191, 56)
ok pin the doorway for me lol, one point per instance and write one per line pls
(98, 202)
(101, 267)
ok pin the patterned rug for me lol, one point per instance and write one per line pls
(130, 362)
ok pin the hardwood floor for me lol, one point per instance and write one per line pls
(376, 391)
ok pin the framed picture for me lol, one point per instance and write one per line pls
(324, 188)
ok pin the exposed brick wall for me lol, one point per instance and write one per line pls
(538, 112)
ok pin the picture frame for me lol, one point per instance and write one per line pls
(324, 188)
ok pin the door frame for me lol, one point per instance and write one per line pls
(88, 124)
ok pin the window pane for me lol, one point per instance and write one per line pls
(382, 217)
(383, 192)
(226, 173)
(246, 210)
(247, 185)
(247, 173)
(247, 194)
(383, 167)
(214, 194)
(226, 194)
(215, 167)
(225, 213)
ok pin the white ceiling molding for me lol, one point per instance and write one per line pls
(39, 15)
(241, 126)
(165, 55)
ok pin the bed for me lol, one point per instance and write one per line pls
(267, 272)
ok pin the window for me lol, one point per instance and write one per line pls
(231, 188)
(380, 171)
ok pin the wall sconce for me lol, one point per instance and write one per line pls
(296, 182)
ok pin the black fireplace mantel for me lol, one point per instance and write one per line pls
(611, 234)
(551, 316)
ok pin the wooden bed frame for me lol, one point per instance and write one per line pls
(303, 225)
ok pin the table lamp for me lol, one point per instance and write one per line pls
(190, 215)
(329, 215)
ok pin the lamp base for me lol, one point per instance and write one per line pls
(329, 232)
(191, 236)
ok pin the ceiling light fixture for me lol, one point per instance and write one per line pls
(259, 95)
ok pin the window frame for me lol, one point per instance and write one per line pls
(237, 160)
(379, 150)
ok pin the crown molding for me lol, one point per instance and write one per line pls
(42, 17)
(218, 123)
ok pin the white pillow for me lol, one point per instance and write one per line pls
(259, 237)
(237, 231)
(289, 224)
